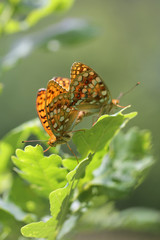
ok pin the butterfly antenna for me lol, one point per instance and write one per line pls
(34, 141)
(116, 101)
(122, 94)
(72, 152)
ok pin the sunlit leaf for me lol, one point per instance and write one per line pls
(20, 15)
(123, 166)
(45, 173)
(117, 163)
(60, 201)
(14, 138)
(101, 133)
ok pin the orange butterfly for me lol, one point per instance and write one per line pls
(88, 92)
(53, 107)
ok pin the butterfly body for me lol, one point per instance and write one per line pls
(53, 141)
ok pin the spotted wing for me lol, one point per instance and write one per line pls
(87, 89)
(63, 82)
(40, 106)
(60, 115)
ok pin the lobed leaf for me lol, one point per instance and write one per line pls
(96, 139)
(119, 163)
(14, 138)
(45, 173)
(60, 201)
(121, 167)
(100, 135)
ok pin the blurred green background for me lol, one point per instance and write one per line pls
(123, 47)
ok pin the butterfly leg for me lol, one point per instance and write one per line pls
(94, 120)
(47, 149)
(72, 152)
(99, 114)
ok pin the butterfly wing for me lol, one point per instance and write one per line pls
(60, 115)
(63, 82)
(40, 106)
(87, 89)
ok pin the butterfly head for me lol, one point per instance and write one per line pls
(115, 102)
(53, 141)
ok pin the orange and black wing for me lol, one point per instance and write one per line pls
(60, 114)
(63, 82)
(40, 106)
(87, 89)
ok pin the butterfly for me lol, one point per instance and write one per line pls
(66, 101)
(55, 112)
(88, 92)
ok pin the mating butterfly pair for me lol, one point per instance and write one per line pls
(66, 101)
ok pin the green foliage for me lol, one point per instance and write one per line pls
(60, 201)
(106, 217)
(68, 31)
(19, 15)
(45, 173)
(102, 132)
(111, 165)
(51, 196)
